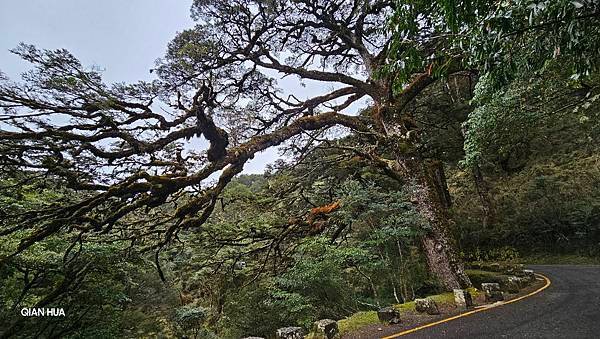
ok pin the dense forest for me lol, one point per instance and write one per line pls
(447, 132)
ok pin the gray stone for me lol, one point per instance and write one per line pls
(490, 287)
(521, 281)
(526, 276)
(462, 298)
(426, 305)
(529, 275)
(514, 269)
(492, 292)
(326, 327)
(289, 333)
(512, 284)
(388, 315)
(253, 338)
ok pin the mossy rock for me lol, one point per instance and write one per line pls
(480, 276)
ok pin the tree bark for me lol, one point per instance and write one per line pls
(430, 195)
(428, 188)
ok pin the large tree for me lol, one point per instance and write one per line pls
(133, 150)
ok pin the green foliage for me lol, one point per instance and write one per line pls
(102, 287)
(549, 206)
(561, 259)
(259, 309)
(504, 253)
(265, 260)
(536, 139)
(190, 319)
(517, 37)
(511, 124)
(315, 287)
(422, 35)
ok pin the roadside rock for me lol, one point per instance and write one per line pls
(529, 275)
(492, 292)
(326, 327)
(514, 269)
(289, 333)
(512, 284)
(388, 315)
(426, 305)
(462, 298)
(523, 281)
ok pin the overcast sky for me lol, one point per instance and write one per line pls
(124, 37)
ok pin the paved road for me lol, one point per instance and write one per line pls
(569, 308)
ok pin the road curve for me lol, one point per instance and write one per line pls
(569, 308)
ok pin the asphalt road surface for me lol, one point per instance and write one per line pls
(569, 308)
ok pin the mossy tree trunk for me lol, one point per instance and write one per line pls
(427, 184)
(430, 195)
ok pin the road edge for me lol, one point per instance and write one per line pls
(486, 308)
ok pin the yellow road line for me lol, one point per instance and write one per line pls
(473, 311)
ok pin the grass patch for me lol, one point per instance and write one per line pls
(405, 307)
(357, 321)
(444, 298)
